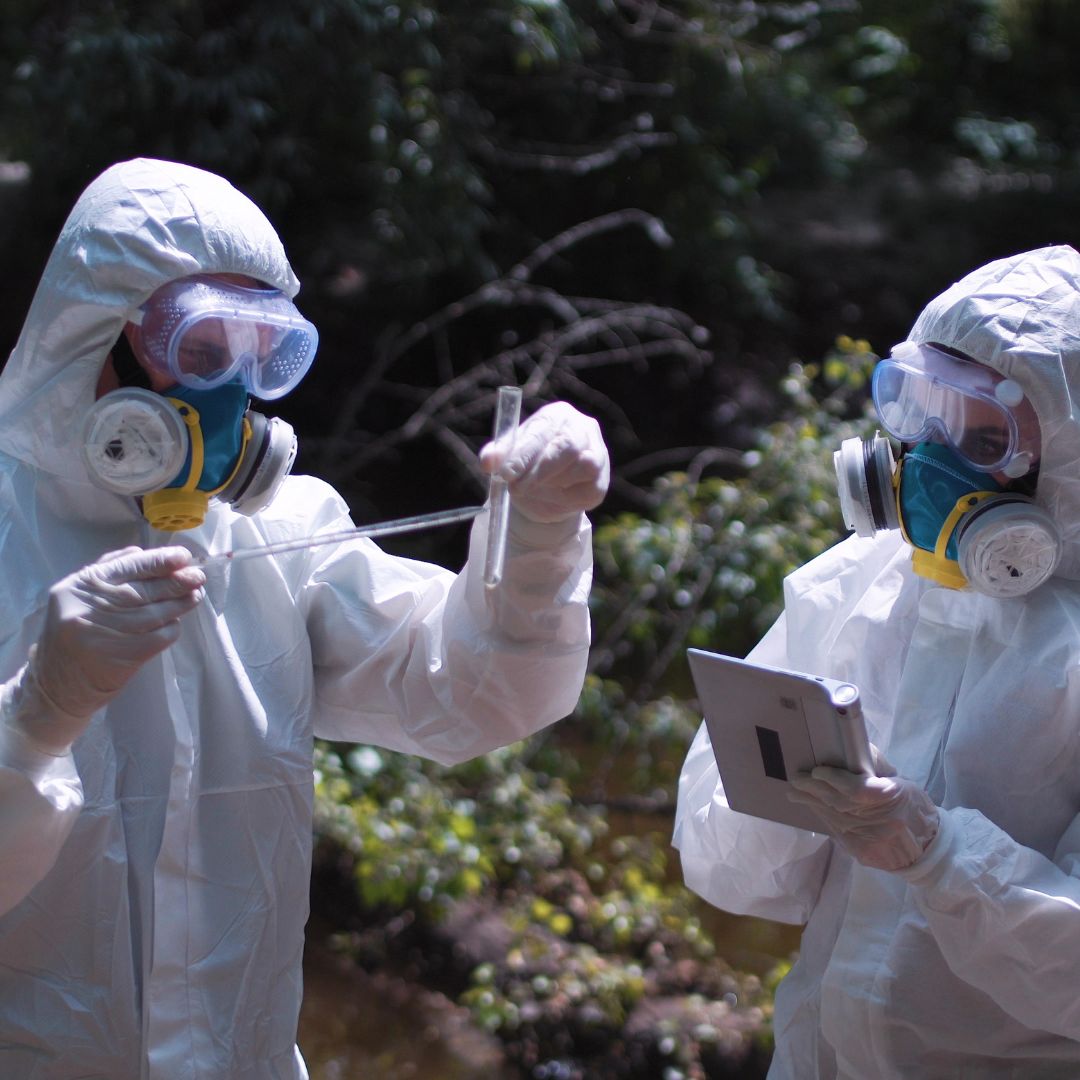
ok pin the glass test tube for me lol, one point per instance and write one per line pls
(507, 413)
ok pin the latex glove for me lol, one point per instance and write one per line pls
(883, 821)
(101, 625)
(557, 467)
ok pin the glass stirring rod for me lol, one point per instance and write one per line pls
(378, 528)
(507, 414)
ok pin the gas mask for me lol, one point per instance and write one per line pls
(961, 423)
(214, 343)
(179, 449)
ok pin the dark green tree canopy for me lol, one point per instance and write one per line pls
(765, 175)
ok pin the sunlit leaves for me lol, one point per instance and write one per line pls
(705, 568)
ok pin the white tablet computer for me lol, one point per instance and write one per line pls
(767, 725)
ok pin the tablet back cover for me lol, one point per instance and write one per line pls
(768, 725)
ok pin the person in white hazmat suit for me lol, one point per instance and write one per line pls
(156, 722)
(942, 898)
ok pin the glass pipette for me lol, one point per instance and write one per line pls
(507, 413)
(378, 528)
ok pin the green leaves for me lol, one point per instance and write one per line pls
(705, 567)
(559, 846)
(423, 836)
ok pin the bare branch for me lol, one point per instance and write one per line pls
(556, 338)
(712, 456)
(618, 219)
(578, 161)
(675, 456)
(606, 84)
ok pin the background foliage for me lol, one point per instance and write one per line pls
(796, 171)
(697, 220)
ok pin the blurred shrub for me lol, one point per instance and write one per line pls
(424, 836)
(706, 566)
(593, 920)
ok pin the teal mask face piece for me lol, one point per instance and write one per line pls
(932, 480)
(219, 414)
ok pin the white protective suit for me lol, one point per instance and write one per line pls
(967, 964)
(154, 883)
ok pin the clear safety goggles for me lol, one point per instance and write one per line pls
(923, 394)
(202, 332)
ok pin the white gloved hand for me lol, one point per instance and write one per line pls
(883, 821)
(557, 467)
(101, 625)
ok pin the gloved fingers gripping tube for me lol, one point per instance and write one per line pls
(507, 414)
(102, 623)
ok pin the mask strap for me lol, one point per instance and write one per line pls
(963, 505)
(245, 439)
(176, 508)
(937, 566)
(191, 417)
(198, 447)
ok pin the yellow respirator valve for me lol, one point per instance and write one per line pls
(174, 509)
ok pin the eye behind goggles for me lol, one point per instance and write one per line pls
(923, 394)
(201, 332)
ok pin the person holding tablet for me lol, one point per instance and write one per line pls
(941, 898)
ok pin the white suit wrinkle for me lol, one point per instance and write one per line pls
(965, 964)
(155, 878)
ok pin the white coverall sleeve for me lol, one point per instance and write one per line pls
(414, 658)
(1006, 918)
(739, 863)
(40, 798)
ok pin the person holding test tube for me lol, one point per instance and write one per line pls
(156, 719)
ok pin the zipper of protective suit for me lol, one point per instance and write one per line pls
(166, 954)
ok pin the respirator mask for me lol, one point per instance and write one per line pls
(969, 435)
(213, 344)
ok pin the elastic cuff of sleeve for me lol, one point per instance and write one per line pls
(20, 753)
(543, 534)
(938, 854)
(18, 750)
(29, 705)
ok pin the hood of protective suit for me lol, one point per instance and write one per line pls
(139, 225)
(1021, 317)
